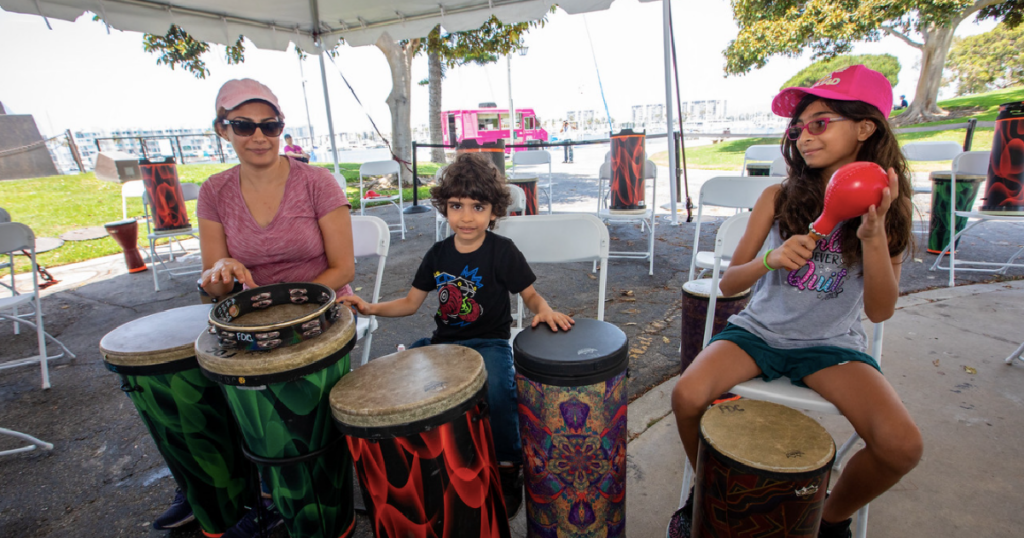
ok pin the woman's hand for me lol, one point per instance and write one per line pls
(872, 224)
(793, 254)
(554, 320)
(360, 305)
(226, 271)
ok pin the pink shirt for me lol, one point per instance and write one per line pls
(291, 247)
(295, 148)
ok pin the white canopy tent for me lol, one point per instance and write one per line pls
(320, 24)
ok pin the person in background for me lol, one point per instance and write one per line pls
(568, 148)
(903, 103)
(293, 150)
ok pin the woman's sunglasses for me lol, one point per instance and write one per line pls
(248, 128)
(815, 127)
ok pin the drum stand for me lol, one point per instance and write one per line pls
(1016, 355)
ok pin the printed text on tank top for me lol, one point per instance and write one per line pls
(824, 272)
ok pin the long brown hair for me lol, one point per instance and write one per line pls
(802, 196)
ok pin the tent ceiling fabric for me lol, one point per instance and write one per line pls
(272, 24)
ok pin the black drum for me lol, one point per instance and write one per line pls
(572, 394)
(493, 150)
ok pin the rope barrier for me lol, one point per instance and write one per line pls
(33, 145)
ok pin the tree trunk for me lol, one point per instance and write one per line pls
(925, 107)
(434, 77)
(399, 58)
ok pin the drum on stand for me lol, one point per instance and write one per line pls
(160, 177)
(572, 394)
(1004, 192)
(280, 400)
(185, 413)
(418, 429)
(627, 184)
(967, 187)
(760, 466)
(126, 233)
(696, 298)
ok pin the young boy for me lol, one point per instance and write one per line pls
(473, 272)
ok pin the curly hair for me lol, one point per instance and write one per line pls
(472, 176)
(802, 196)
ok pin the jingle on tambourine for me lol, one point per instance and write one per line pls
(853, 189)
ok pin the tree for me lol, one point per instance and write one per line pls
(886, 64)
(481, 46)
(831, 27)
(989, 61)
(177, 47)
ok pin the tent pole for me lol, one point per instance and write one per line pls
(327, 101)
(673, 190)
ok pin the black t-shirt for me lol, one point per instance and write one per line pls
(473, 288)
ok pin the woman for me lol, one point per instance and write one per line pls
(270, 219)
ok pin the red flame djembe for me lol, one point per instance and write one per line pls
(160, 176)
(418, 429)
(1004, 192)
(627, 184)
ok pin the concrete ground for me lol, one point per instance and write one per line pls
(104, 476)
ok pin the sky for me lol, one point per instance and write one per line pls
(78, 77)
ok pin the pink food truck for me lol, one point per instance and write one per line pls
(489, 124)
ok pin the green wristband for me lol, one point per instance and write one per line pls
(764, 260)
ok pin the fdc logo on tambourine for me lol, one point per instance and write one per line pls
(274, 316)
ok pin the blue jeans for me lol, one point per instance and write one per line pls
(501, 393)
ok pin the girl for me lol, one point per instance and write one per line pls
(803, 321)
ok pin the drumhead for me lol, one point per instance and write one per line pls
(591, 352)
(253, 368)
(156, 343)
(947, 175)
(767, 436)
(522, 179)
(702, 288)
(407, 387)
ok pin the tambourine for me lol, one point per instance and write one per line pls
(224, 317)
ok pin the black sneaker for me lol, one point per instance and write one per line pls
(251, 525)
(835, 530)
(682, 520)
(512, 487)
(177, 515)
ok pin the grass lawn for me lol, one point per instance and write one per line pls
(728, 155)
(54, 205)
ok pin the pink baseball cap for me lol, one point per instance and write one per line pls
(853, 83)
(241, 90)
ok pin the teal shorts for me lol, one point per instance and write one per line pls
(796, 364)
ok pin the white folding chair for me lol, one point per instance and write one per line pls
(761, 153)
(518, 204)
(441, 228)
(782, 392)
(130, 189)
(972, 163)
(370, 237)
(574, 237)
(16, 236)
(779, 168)
(189, 191)
(383, 168)
(725, 191)
(726, 241)
(930, 152)
(534, 158)
(646, 219)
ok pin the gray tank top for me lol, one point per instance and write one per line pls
(819, 304)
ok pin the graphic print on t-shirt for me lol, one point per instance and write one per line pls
(455, 295)
(824, 272)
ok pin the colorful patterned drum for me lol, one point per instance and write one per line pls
(572, 396)
(967, 187)
(160, 177)
(762, 470)
(696, 298)
(529, 186)
(1004, 192)
(280, 400)
(185, 412)
(627, 185)
(418, 428)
